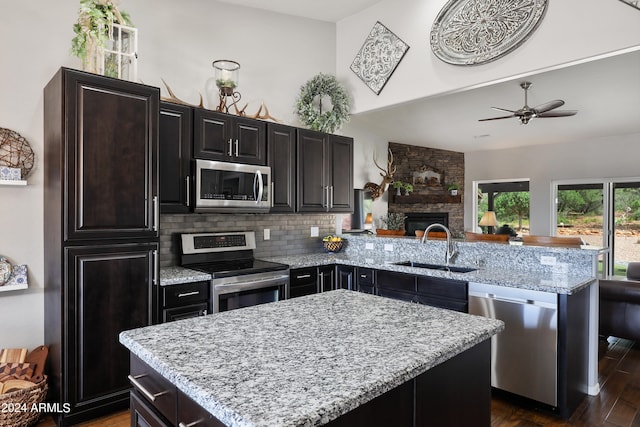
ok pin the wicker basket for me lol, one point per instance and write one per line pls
(332, 247)
(16, 405)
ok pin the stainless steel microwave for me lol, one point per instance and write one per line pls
(231, 187)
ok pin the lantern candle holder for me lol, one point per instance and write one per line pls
(226, 76)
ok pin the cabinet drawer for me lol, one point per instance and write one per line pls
(367, 289)
(142, 413)
(403, 296)
(156, 390)
(186, 312)
(439, 287)
(392, 280)
(448, 303)
(366, 276)
(185, 294)
(303, 276)
(192, 414)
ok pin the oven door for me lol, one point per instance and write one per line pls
(252, 289)
(232, 187)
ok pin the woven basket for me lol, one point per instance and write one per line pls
(16, 405)
(332, 247)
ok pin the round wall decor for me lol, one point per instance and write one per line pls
(323, 104)
(471, 32)
(15, 151)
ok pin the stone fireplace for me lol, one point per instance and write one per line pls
(430, 196)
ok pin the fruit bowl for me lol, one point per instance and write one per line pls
(332, 246)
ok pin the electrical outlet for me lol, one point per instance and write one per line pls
(267, 234)
(547, 260)
(315, 231)
(368, 246)
(388, 247)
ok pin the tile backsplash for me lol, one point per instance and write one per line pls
(290, 233)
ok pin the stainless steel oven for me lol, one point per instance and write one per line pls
(231, 187)
(238, 279)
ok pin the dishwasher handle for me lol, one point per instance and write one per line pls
(511, 300)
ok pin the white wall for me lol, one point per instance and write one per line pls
(571, 30)
(178, 42)
(612, 157)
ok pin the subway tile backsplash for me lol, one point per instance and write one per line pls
(290, 233)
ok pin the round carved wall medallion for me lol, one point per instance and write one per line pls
(472, 32)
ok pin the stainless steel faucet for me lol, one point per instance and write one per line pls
(451, 247)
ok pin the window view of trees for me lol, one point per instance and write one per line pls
(510, 202)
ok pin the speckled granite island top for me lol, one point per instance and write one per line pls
(304, 361)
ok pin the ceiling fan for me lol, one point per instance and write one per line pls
(527, 113)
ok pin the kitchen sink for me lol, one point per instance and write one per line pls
(452, 268)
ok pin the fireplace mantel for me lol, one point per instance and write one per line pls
(427, 198)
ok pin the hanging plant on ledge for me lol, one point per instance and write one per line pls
(323, 104)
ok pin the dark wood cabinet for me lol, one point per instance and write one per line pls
(224, 137)
(175, 141)
(281, 146)
(326, 278)
(142, 413)
(185, 300)
(100, 233)
(324, 172)
(345, 277)
(444, 293)
(303, 281)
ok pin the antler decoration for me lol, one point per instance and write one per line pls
(175, 99)
(378, 190)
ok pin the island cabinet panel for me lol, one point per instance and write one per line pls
(326, 278)
(142, 414)
(281, 147)
(303, 281)
(176, 124)
(156, 391)
(228, 138)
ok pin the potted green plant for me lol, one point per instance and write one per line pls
(393, 224)
(408, 188)
(453, 189)
(92, 33)
(398, 185)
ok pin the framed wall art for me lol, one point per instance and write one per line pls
(378, 57)
(472, 32)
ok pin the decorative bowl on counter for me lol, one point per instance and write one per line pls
(332, 244)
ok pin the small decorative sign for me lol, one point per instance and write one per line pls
(18, 276)
(10, 174)
(378, 57)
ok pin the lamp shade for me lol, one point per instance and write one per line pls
(488, 219)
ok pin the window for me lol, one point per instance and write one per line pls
(509, 199)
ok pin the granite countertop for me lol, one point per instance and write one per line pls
(177, 275)
(307, 360)
(558, 283)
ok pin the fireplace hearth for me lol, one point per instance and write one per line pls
(421, 220)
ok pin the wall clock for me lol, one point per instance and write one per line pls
(472, 32)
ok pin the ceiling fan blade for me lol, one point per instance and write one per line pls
(559, 113)
(548, 106)
(497, 118)
(504, 109)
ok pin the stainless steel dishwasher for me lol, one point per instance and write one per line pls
(524, 357)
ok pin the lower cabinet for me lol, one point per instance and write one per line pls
(311, 280)
(345, 277)
(185, 300)
(155, 402)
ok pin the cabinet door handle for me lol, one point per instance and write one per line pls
(331, 197)
(237, 143)
(272, 193)
(155, 267)
(230, 147)
(304, 276)
(193, 424)
(151, 396)
(187, 190)
(156, 213)
(188, 294)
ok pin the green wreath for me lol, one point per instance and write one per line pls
(309, 105)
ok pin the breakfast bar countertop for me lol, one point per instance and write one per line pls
(304, 361)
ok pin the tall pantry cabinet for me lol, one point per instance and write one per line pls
(100, 234)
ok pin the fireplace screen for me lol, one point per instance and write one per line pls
(421, 220)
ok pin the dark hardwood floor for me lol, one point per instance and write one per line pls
(618, 403)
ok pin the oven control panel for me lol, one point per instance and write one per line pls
(217, 242)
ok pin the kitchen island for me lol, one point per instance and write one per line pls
(336, 358)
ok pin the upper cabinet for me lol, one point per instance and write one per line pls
(176, 138)
(102, 137)
(228, 138)
(324, 172)
(281, 141)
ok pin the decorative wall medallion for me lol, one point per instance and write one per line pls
(378, 57)
(471, 32)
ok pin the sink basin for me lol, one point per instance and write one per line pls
(451, 268)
